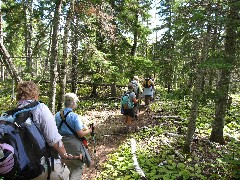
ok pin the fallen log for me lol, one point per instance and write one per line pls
(135, 161)
(173, 134)
(170, 117)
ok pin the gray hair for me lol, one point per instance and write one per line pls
(130, 86)
(70, 99)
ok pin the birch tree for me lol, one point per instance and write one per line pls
(54, 56)
(28, 10)
(63, 63)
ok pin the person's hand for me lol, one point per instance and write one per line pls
(79, 157)
(71, 157)
(67, 156)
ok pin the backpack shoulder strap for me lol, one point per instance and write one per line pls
(28, 107)
(25, 110)
(63, 117)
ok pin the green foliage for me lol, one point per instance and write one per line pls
(159, 153)
(7, 98)
(119, 165)
(138, 65)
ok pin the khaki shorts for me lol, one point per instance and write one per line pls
(72, 145)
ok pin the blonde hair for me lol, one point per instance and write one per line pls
(27, 90)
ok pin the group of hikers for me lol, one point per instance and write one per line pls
(131, 99)
(36, 144)
(62, 134)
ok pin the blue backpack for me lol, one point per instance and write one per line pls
(126, 102)
(18, 130)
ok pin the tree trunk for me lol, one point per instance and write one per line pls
(54, 57)
(220, 108)
(6, 59)
(1, 40)
(75, 64)
(9, 64)
(113, 90)
(94, 90)
(223, 84)
(28, 35)
(197, 91)
(1, 23)
(113, 52)
(135, 35)
(62, 70)
(193, 113)
(2, 72)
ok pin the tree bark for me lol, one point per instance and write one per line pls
(9, 64)
(54, 57)
(113, 51)
(197, 91)
(1, 23)
(94, 90)
(62, 70)
(28, 35)
(135, 35)
(113, 90)
(75, 64)
(1, 40)
(193, 113)
(222, 89)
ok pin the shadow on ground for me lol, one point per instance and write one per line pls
(111, 131)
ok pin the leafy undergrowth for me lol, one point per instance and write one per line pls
(160, 143)
(160, 138)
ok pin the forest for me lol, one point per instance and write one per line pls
(93, 48)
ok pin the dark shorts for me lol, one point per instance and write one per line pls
(147, 99)
(129, 112)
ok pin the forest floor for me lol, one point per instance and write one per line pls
(110, 133)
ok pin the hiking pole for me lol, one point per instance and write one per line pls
(139, 104)
(93, 136)
(94, 143)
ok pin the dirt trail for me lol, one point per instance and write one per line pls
(110, 133)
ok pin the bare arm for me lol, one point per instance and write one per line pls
(82, 132)
(59, 147)
(135, 100)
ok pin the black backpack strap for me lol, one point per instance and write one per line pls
(63, 117)
(31, 105)
(23, 113)
(49, 167)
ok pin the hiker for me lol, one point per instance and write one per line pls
(127, 103)
(137, 90)
(27, 92)
(153, 90)
(148, 90)
(72, 143)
